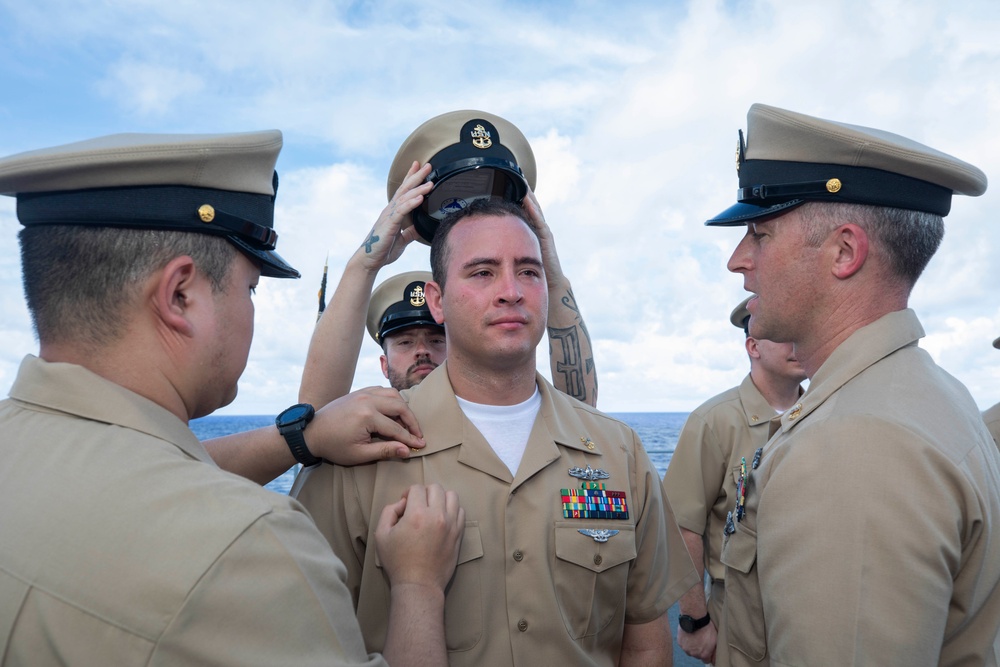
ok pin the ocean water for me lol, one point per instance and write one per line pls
(658, 430)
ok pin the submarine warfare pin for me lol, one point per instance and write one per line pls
(589, 474)
(599, 534)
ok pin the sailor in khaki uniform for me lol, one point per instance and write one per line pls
(867, 533)
(718, 439)
(123, 543)
(992, 415)
(565, 555)
(447, 162)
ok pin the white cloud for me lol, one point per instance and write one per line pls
(150, 90)
(632, 111)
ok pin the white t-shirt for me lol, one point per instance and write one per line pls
(505, 427)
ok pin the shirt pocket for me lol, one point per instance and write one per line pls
(745, 627)
(464, 598)
(591, 577)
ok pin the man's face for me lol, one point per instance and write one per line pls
(495, 300)
(234, 315)
(411, 354)
(780, 269)
(778, 359)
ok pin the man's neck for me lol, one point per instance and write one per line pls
(848, 311)
(780, 392)
(489, 386)
(131, 371)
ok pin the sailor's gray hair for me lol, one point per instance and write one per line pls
(908, 239)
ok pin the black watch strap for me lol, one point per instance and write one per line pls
(297, 443)
(689, 624)
(291, 423)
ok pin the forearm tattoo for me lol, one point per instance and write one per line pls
(571, 366)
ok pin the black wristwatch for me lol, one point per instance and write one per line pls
(689, 624)
(291, 423)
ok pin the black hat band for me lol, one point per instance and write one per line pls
(248, 216)
(393, 321)
(768, 182)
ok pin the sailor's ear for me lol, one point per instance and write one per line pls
(433, 293)
(173, 293)
(851, 246)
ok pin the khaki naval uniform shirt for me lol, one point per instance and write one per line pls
(123, 544)
(992, 419)
(530, 588)
(870, 535)
(700, 482)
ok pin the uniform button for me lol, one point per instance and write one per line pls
(598, 560)
(518, 555)
(522, 625)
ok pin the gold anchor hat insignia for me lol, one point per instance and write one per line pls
(481, 137)
(417, 296)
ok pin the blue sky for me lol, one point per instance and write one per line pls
(631, 109)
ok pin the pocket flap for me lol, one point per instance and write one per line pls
(470, 549)
(739, 550)
(575, 547)
(472, 543)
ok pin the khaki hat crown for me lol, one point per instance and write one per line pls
(221, 184)
(789, 158)
(473, 154)
(399, 303)
(740, 317)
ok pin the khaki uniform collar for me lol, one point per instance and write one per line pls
(444, 426)
(74, 390)
(756, 409)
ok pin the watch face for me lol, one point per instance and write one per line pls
(295, 413)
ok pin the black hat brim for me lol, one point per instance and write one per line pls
(741, 214)
(271, 263)
(406, 320)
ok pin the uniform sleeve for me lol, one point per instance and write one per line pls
(859, 540)
(696, 473)
(992, 419)
(663, 570)
(276, 596)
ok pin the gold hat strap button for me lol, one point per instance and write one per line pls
(206, 212)
(834, 185)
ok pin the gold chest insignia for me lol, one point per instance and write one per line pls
(481, 137)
